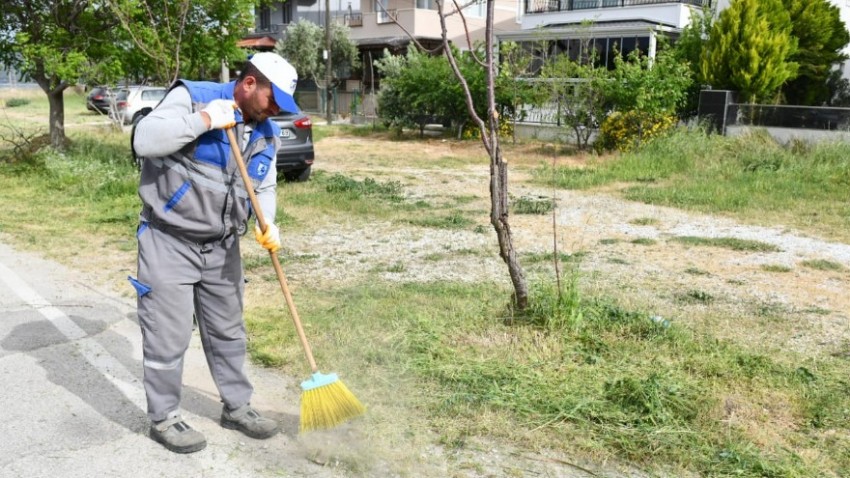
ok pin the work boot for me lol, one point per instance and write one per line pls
(248, 421)
(177, 435)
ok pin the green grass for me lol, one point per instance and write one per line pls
(775, 268)
(605, 379)
(92, 187)
(751, 177)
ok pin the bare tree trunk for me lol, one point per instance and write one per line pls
(499, 207)
(490, 137)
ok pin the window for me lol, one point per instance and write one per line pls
(287, 12)
(265, 19)
(477, 9)
(425, 4)
(381, 13)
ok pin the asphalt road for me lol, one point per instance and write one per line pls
(72, 401)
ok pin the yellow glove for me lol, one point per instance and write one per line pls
(270, 240)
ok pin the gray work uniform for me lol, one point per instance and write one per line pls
(195, 207)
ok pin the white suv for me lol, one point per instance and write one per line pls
(134, 102)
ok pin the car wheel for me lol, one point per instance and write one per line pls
(298, 175)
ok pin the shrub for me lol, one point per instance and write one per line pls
(625, 131)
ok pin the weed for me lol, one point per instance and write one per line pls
(15, 102)
(353, 189)
(696, 271)
(546, 257)
(823, 265)
(455, 220)
(732, 243)
(643, 241)
(775, 268)
(695, 296)
(644, 221)
(532, 205)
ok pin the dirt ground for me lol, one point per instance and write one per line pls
(734, 294)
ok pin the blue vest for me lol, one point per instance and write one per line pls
(197, 193)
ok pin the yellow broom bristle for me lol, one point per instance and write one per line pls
(328, 406)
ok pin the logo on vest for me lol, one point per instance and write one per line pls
(262, 169)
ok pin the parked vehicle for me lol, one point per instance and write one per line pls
(134, 102)
(99, 99)
(295, 156)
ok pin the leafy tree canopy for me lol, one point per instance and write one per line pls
(750, 50)
(821, 37)
(304, 45)
(186, 38)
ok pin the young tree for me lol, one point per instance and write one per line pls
(577, 88)
(489, 128)
(515, 66)
(303, 47)
(58, 43)
(750, 48)
(821, 37)
(414, 89)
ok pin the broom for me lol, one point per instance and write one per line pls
(325, 401)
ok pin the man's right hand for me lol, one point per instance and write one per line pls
(220, 114)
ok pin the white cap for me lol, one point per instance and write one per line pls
(283, 77)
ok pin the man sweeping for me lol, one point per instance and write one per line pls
(194, 208)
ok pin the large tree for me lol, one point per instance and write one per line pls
(182, 38)
(821, 37)
(58, 43)
(750, 50)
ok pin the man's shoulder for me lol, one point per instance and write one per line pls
(203, 88)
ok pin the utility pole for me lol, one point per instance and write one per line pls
(328, 61)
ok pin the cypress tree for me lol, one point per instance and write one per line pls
(750, 50)
(821, 37)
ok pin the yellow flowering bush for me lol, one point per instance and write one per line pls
(625, 131)
(471, 131)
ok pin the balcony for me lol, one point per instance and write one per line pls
(548, 6)
(353, 19)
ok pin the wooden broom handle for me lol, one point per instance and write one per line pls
(281, 277)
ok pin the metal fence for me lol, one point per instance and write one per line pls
(787, 116)
(545, 6)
